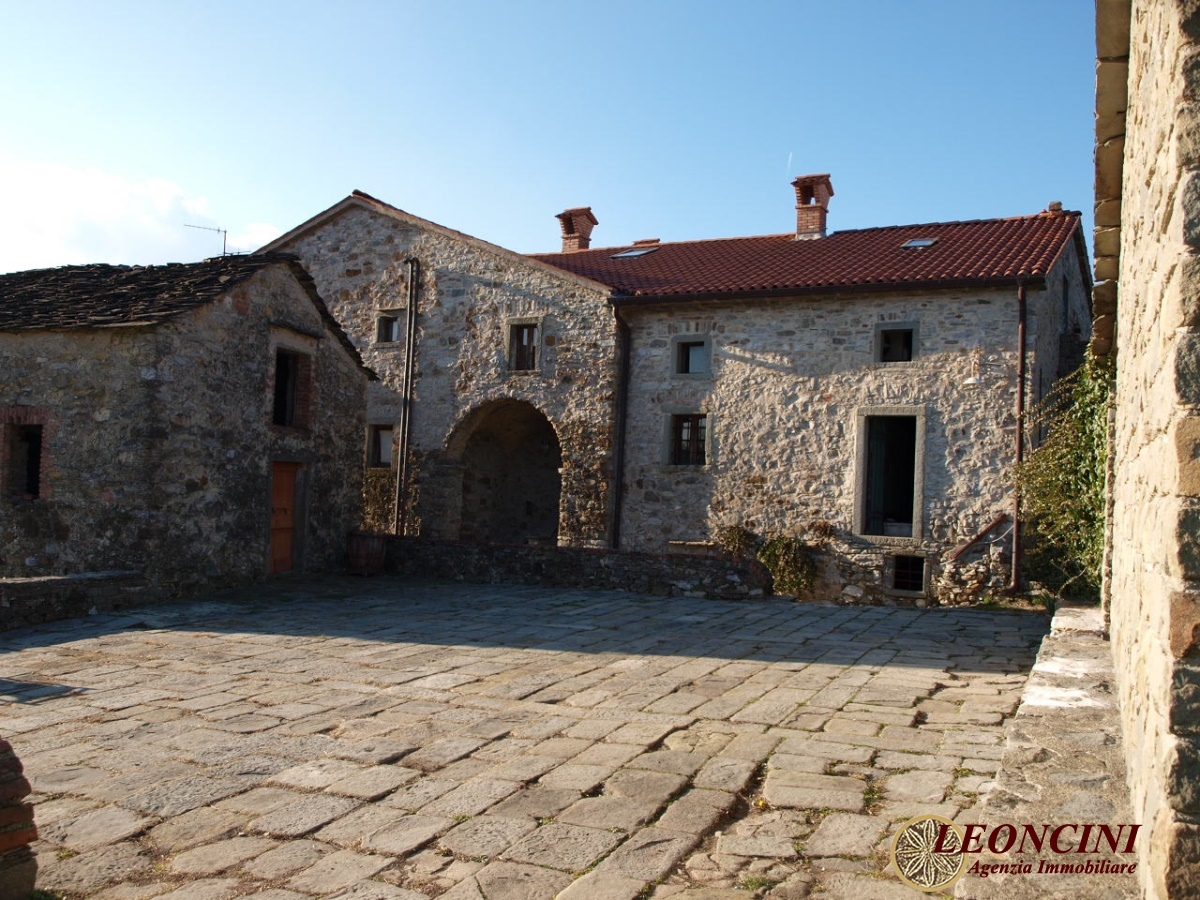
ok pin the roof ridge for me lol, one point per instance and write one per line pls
(616, 248)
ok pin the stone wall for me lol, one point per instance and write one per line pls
(29, 601)
(792, 383)
(469, 293)
(662, 574)
(1155, 567)
(90, 391)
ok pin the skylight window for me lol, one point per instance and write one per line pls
(918, 243)
(636, 251)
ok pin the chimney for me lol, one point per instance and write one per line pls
(812, 205)
(577, 225)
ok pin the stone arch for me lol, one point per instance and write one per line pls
(510, 458)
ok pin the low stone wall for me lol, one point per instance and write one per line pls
(18, 865)
(28, 601)
(1064, 763)
(666, 574)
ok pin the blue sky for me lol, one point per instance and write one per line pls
(124, 121)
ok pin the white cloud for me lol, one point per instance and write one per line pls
(252, 236)
(53, 214)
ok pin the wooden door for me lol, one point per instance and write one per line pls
(283, 515)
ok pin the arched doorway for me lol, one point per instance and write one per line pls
(510, 458)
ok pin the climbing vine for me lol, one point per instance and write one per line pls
(1062, 482)
(789, 559)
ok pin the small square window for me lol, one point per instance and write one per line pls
(908, 573)
(379, 449)
(692, 358)
(387, 329)
(24, 475)
(688, 433)
(895, 345)
(523, 347)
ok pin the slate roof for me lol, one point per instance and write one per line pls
(105, 296)
(983, 252)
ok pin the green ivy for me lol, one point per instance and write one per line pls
(1062, 483)
(791, 564)
(790, 560)
(737, 539)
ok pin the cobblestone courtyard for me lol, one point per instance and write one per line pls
(380, 739)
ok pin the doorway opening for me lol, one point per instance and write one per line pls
(511, 484)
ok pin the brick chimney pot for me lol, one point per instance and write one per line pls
(577, 225)
(813, 193)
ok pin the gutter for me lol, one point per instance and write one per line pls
(400, 522)
(624, 346)
(1015, 581)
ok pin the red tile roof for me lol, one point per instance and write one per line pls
(987, 251)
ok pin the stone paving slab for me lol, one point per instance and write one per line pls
(391, 740)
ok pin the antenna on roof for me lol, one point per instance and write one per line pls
(223, 232)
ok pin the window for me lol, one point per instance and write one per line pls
(387, 329)
(687, 439)
(692, 357)
(379, 449)
(908, 573)
(23, 477)
(895, 343)
(891, 476)
(292, 390)
(523, 347)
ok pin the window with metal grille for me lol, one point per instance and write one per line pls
(687, 439)
(908, 573)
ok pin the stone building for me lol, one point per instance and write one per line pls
(862, 387)
(510, 375)
(1147, 302)
(198, 423)
(859, 387)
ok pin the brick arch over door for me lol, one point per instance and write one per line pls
(510, 459)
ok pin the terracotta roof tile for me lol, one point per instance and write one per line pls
(869, 258)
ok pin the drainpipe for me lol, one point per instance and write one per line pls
(1015, 582)
(624, 344)
(400, 522)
